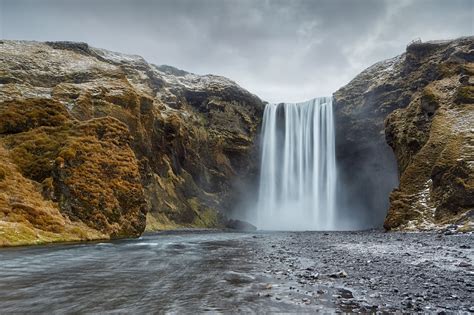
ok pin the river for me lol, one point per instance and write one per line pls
(215, 271)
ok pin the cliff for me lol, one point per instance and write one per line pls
(422, 105)
(96, 144)
(104, 145)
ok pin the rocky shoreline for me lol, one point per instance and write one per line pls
(218, 271)
(371, 271)
(96, 144)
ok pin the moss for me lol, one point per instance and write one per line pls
(66, 154)
(47, 188)
(159, 221)
(35, 151)
(429, 96)
(18, 116)
(400, 211)
(468, 68)
(3, 173)
(17, 234)
(95, 175)
(453, 181)
(207, 218)
(204, 216)
(448, 69)
(436, 183)
(101, 179)
(27, 217)
(466, 227)
(81, 159)
(465, 95)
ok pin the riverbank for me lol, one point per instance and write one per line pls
(197, 271)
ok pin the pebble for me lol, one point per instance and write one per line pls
(400, 264)
(339, 274)
(464, 264)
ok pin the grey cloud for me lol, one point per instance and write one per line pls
(279, 50)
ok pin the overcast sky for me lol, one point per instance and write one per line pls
(279, 50)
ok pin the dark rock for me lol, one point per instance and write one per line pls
(79, 47)
(405, 103)
(339, 274)
(464, 264)
(346, 294)
(240, 225)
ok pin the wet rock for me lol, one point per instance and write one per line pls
(240, 225)
(464, 264)
(339, 274)
(345, 293)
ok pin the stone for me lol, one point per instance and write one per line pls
(240, 225)
(347, 294)
(339, 274)
(464, 264)
(416, 105)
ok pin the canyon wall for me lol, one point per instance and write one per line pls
(97, 144)
(421, 104)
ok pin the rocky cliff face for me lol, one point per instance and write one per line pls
(96, 144)
(104, 140)
(422, 104)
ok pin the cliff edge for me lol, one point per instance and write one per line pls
(110, 144)
(421, 105)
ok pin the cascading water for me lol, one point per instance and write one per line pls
(298, 167)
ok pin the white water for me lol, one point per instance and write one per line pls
(298, 167)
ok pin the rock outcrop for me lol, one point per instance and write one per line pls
(422, 104)
(96, 144)
(110, 144)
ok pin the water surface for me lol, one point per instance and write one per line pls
(176, 272)
(215, 271)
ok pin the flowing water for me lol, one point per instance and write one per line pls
(192, 272)
(178, 272)
(298, 167)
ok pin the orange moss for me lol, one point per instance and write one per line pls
(26, 217)
(88, 167)
(17, 116)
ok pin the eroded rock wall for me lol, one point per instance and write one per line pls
(421, 105)
(108, 139)
(433, 140)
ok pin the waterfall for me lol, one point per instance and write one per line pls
(298, 167)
